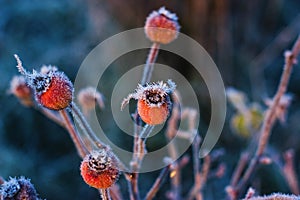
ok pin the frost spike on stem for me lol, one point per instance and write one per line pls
(20, 66)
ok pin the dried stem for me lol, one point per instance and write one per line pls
(158, 182)
(239, 168)
(133, 179)
(20, 65)
(204, 172)
(150, 63)
(115, 192)
(270, 117)
(104, 193)
(170, 133)
(133, 187)
(195, 191)
(78, 116)
(139, 147)
(51, 115)
(290, 172)
(82, 151)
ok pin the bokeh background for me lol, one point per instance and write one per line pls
(246, 39)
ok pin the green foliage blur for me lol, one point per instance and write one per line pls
(246, 39)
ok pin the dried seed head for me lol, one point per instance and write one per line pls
(21, 90)
(162, 26)
(99, 169)
(153, 101)
(88, 98)
(18, 189)
(52, 88)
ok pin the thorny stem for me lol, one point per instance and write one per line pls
(150, 63)
(85, 126)
(104, 193)
(270, 117)
(158, 182)
(82, 151)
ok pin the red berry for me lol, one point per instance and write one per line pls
(53, 89)
(153, 101)
(99, 169)
(153, 115)
(162, 26)
(57, 94)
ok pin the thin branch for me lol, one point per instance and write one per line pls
(290, 172)
(104, 193)
(158, 182)
(138, 142)
(170, 133)
(150, 63)
(195, 191)
(270, 117)
(82, 151)
(85, 126)
(239, 168)
(51, 115)
(115, 192)
(134, 194)
(20, 65)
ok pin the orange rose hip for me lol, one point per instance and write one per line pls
(162, 26)
(153, 115)
(57, 94)
(153, 101)
(52, 88)
(99, 169)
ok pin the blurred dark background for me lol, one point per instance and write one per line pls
(246, 39)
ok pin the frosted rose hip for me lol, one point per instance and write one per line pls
(162, 26)
(99, 169)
